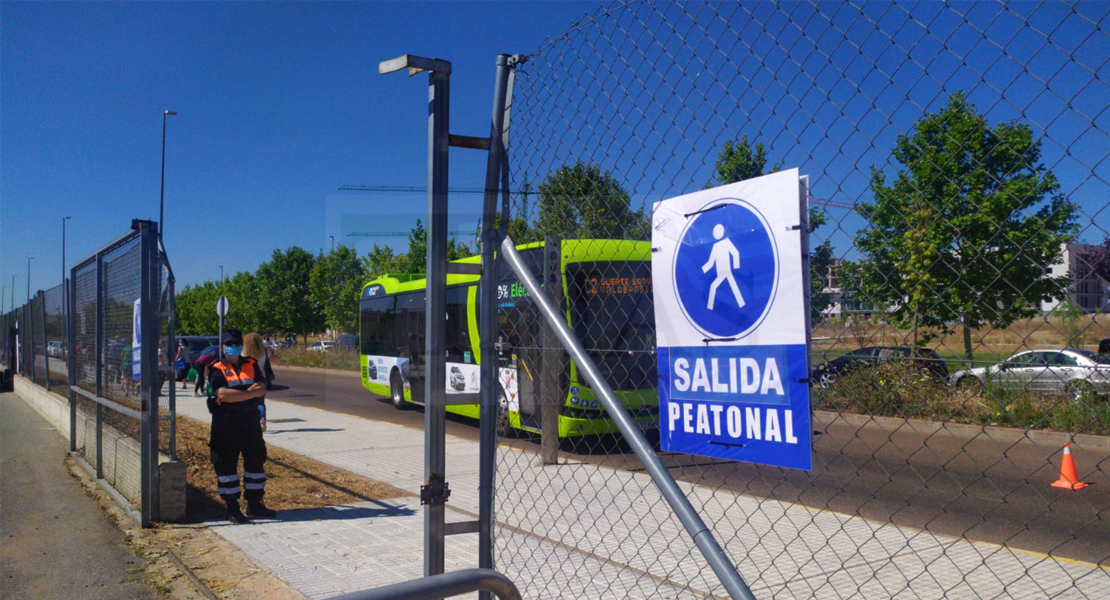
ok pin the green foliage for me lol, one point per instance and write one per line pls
(738, 161)
(582, 201)
(416, 261)
(244, 311)
(296, 292)
(381, 261)
(334, 284)
(285, 302)
(967, 228)
(900, 390)
(196, 309)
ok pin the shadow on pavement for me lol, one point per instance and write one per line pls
(346, 511)
(302, 430)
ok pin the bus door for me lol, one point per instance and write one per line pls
(413, 345)
(520, 327)
(529, 365)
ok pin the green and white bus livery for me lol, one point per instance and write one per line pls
(606, 294)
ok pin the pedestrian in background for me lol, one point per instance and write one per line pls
(254, 347)
(237, 392)
(201, 365)
(183, 362)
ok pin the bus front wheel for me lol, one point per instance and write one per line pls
(397, 391)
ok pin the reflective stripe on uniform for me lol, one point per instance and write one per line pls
(228, 478)
(249, 475)
(228, 491)
(254, 486)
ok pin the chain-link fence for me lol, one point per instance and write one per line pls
(56, 335)
(118, 371)
(958, 270)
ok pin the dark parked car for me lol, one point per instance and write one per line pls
(198, 343)
(346, 343)
(825, 374)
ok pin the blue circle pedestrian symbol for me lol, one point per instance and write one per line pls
(726, 269)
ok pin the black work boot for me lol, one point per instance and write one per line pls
(258, 509)
(235, 515)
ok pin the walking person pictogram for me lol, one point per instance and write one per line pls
(725, 258)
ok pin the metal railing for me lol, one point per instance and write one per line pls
(444, 585)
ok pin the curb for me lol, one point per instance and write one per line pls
(963, 430)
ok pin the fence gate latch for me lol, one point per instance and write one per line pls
(437, 492)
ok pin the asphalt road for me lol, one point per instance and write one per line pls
(986, 488)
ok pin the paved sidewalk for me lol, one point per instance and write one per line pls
(784, 550)
(58, 543)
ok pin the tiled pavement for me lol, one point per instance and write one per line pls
(550, 551)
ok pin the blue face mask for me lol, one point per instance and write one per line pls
(233, 351)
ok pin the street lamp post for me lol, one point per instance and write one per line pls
(332, 238)
(65, 288)
(29, 278)
(162, 191)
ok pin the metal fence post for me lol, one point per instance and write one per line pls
(29, 345)
(170, 344)
(45, 339)
(435, 371)
(488, 318)
(71, 353)
(551, 394)
(150, 368)
(99, 351)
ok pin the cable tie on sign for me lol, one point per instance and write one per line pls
(711, 340)
(714, 443)
(705, 210)
(794, 228)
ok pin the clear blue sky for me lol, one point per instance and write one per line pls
(279, 104)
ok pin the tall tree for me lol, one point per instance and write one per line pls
(335, 282)
(244, 310)
(381, 261)
(284, 299)
(967, 228)
(739, 161)
(196, 309)
(582, 201)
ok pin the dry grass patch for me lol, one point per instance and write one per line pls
(293, 481)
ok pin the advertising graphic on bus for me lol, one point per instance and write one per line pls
(606, 295)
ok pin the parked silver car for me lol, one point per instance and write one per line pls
(1078, 373)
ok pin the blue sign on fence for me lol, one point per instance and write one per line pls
(731, 311)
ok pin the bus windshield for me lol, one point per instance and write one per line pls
(611, 311)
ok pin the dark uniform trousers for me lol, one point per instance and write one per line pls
(234, 433)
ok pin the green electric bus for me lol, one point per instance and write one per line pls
(606, 295)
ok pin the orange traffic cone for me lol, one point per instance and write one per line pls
(1069, 479)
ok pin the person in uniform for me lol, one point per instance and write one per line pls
(237, 388)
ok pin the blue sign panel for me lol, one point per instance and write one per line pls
(731, 320)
